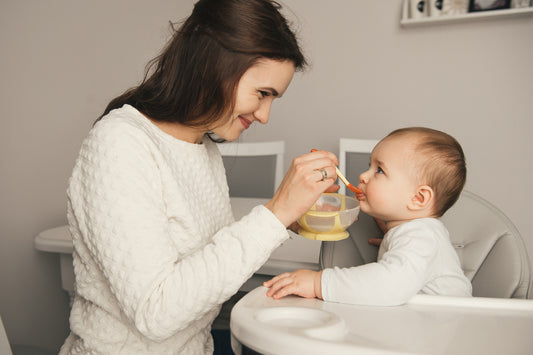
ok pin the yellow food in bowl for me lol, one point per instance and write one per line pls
(329, 217)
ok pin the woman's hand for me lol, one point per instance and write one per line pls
(303, 184)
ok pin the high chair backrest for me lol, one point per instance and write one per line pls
(253, 169)
(492, 253)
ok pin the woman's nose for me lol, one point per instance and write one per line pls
(262, 114)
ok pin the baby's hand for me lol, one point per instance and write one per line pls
(383, 227)
(375, 241)
(304, 283)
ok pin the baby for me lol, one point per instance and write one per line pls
(416, 174)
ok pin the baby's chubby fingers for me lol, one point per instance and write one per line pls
(285, 290)
(277, 283)
(275, 278)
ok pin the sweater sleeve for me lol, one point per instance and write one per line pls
(393, 280)
(161, 287)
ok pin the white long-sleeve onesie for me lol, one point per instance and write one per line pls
(156, 247)
(414, 257)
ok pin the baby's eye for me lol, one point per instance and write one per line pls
(380, 171)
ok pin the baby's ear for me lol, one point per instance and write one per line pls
(422, 198)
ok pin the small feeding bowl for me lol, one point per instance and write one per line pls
(329, 217)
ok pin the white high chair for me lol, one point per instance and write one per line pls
(492, 255)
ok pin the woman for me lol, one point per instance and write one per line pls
(156, 248)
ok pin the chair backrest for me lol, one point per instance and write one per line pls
(492, 253)
(253, 169)
(354, 156)
(491, 250)
(5, 349)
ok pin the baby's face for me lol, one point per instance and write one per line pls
(390, 182)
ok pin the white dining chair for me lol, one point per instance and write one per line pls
(5, 348)
(253, 169)
(354, 157)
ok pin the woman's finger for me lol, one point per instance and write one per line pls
(328, 172)
(333, 188)
(320, 154)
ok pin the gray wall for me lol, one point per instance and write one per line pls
(63, 60)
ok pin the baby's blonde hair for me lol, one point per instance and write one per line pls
(440, 164)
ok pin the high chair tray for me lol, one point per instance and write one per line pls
(425, 325)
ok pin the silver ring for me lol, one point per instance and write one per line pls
(324, 174)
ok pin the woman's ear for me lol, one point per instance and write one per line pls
(422, 199)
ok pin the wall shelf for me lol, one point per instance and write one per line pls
(467, 17)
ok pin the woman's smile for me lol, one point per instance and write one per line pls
(245, 122)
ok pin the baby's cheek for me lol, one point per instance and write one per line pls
(376, 199)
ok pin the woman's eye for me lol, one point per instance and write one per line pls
(264, 93)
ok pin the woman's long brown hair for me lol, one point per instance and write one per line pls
(193, 81)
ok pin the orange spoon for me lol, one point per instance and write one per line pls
(346, 182)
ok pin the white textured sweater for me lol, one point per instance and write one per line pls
(156, 247)
(414, 257)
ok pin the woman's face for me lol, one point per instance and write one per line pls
(258, 87)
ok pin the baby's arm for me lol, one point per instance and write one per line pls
(304, 283)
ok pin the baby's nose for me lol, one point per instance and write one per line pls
(363, 177)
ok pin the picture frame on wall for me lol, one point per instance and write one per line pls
(520, 4)
(487, 5)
